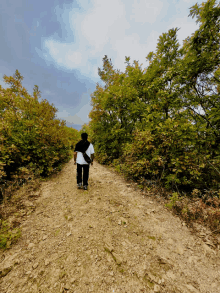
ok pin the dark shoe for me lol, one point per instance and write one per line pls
(79, 185)
(85, 187)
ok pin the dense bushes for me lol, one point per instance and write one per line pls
(162, 123)
(168, 160)
(33, 142)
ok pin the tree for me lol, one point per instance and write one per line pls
(149, 122)
(30, 135)
(201, 75)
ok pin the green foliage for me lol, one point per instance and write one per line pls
(32, 140)
(162, 123)
(174, 198)
(8, 236)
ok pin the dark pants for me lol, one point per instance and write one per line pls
(85, 174)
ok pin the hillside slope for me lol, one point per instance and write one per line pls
(110, 238)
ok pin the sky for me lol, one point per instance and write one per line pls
(59, 44)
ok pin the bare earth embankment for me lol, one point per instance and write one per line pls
(110, 238)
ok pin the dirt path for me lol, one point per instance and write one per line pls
(107, 239)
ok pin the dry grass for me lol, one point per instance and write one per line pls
(17, 204)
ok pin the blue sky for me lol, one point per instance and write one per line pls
(60, 44)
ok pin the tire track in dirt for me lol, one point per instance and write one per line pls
(110, 238)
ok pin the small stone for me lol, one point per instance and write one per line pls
(61, 287)
(34, 288)
(207, 249)
(191, 288)
(208, 242)
(170, 241)
(17, 262)
(171, 275)
(153, 278)
(111, 274)
(68, 234)
(156, 288)
(108, 246)
(47, 262)
(67, 286)
(28, 272)
(35, 265)
(30, 245)
(44, 237)
(118, 259)
(162, 260)
(123, 221)
(5, 271)
(72, 280)
(180, 250)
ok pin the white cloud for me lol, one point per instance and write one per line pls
(62, 114)
(114, 28)
(78, 114)
(146, 11)
(75, 119)
(106, 22)
(83, 112)
(75, 57)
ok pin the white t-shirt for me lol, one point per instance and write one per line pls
(80, 160)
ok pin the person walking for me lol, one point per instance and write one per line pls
(83, 156)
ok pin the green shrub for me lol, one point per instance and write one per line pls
(33, 141)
